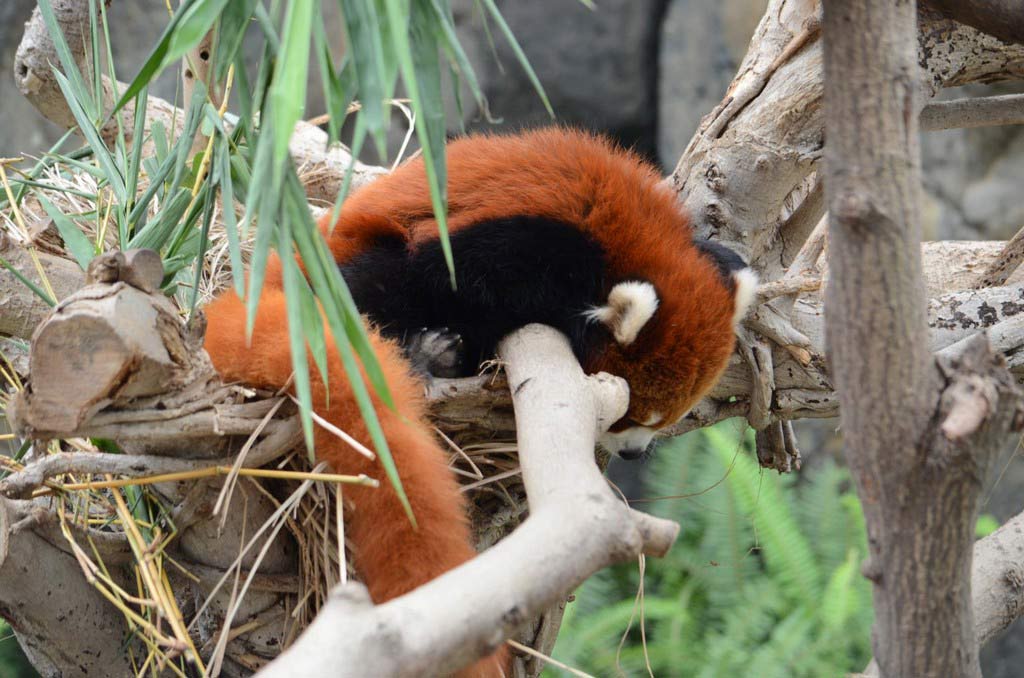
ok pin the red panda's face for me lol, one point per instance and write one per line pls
(671, 351)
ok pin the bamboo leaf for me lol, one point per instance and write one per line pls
(195, 23)
(363, 28)
(157, 59)
(158, 232)
(227, 196)
(134, 164)
(288, 91)
(344, 322)
(67, 61)
(92, 136)
(339, 87)
(204, 241)
(492, 9)
(293, 290)
(77, 243)
(28, 283)
(234, 22)
(463, 68)
(417, 58)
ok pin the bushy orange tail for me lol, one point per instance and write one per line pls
(391, 556)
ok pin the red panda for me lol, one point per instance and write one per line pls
(553, 226)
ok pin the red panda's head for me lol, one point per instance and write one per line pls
(671, 339)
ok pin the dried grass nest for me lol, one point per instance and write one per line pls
(166, 619)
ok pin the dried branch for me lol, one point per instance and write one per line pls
(559, 412)
(740, 172)
(1003, 19)
(1004, 265)
(282, 437)
(1007, 109)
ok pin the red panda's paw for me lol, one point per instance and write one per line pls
(436, 353)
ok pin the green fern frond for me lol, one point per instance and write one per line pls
(786, 551)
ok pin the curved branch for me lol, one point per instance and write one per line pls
(576, 527)
(1003, 19)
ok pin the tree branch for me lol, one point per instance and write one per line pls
(740, 173)
(997, 583)
(1003, 19)
(577, 526)
(1007, 109)
(919, 433)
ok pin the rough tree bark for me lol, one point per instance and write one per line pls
(919, 434)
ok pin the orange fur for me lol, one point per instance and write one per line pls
(616, 198)
(391, 556)
(560, 174)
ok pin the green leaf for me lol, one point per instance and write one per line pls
(195, 23)
(234, 22)
(77, 243)
(160, 146)
(227, 195)
(204, 243)
(334, 293)
(294, 291)
(92, 136)
(160, 230)
(94, 44)
(158, 58)
(264, 203)
(518, 51)
(339, 87)
(28, 283)
(421, 71)
(134, 164)
(986, 525)
(462, 66)
(313, 328)
(288, 91)
(67, 61)
(364, 29)
(345, 324)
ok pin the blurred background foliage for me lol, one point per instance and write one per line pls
(765, 574)
(13, 663)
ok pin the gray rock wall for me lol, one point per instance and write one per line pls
(644, 71)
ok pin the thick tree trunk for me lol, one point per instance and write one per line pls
(918, 435)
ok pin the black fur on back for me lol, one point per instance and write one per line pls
(727, 261)
(509, 273)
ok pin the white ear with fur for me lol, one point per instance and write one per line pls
(630, 305)
(746, 282)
